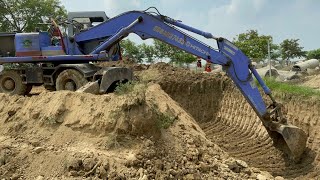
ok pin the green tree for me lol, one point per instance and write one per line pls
(181, 57)
(313, 54)
(148, 52)
(131, 51)
(290, 48)
(255, 46)
(25, 15)
(164, 50)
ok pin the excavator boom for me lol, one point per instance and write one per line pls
(237, 65)
(100, 43)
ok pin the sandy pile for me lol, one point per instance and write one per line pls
(143, 134)
(313, 82)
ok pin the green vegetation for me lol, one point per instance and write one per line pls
(125, 88)
(290, 48)
(164, 50)
(25, 15)
(131, 88)
(252, 43)
(164, 120)
(314, 54)
(131, 51)
(158, 50)
(283, 87)
(255, 45)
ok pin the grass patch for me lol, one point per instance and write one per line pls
(131, 87)
(124, 88)
(291, 89)
(165, 120)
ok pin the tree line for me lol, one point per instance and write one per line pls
(253, 44)
(158, 50)
(26, 15)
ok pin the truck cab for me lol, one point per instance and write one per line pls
(53, 57)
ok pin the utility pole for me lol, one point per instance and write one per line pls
(269, 57)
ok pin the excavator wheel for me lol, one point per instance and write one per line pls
(71, 80)
(11, 83)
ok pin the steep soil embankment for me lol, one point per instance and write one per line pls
(229, 121)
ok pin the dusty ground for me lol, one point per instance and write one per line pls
(68, 135)
(198, 127)
(313, 81)
(228, 121)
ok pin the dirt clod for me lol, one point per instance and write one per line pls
(261, 177)
(11, 113)
(89, 163)
(39, 149)
(74, 164)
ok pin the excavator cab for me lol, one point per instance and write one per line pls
(84, 21)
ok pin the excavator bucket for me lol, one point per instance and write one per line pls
(107, 79)
(293, 140)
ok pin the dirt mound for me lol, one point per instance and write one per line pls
(229, 121)
(195, 128)
(313, 82)
(141, 135)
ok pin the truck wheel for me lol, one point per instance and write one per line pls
(71, 80)
(11, 83)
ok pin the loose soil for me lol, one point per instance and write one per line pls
(177, 124)
(312, 81)
(229, 121)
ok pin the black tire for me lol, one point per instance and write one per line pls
(71, 80)
(11, 83)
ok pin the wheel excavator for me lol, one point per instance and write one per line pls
(59, 61)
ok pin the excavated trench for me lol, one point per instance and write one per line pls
(229, 121)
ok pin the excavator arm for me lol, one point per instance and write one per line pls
(237, 65)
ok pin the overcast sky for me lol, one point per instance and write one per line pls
(283, 19)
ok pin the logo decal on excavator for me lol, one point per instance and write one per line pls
(27, 43)
(229, 47)
(229, 50)
(179, 40)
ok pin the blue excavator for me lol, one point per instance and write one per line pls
(63, 61)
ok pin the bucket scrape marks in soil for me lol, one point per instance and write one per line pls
(229, 121)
